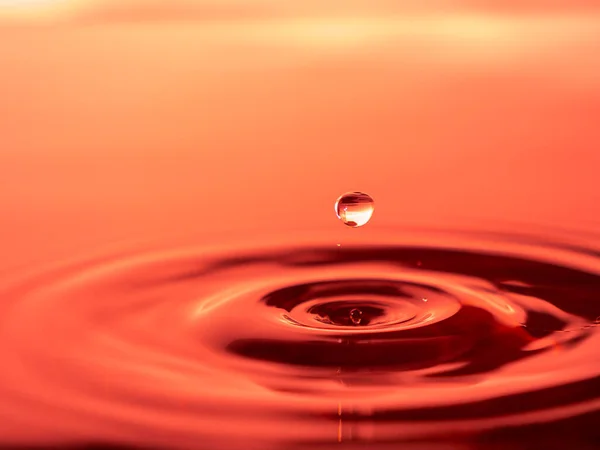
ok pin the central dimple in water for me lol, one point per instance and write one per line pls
(356, 316)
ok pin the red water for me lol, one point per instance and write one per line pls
(173, 274)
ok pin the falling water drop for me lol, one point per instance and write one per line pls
(354, 208)
(356, 316)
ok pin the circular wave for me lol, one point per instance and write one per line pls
(410, 338)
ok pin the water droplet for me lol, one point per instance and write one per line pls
(354, 208)
(356, 316)
(424, 299)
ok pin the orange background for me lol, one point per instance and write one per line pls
(125, 119)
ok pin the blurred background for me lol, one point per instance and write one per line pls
(128, 119)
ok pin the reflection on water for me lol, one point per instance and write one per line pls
(413, 338)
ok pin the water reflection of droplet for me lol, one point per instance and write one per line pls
(354, 208)
(356, 316)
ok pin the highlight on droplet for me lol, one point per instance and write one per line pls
(354, 209)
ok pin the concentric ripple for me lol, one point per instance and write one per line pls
(414, 337)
